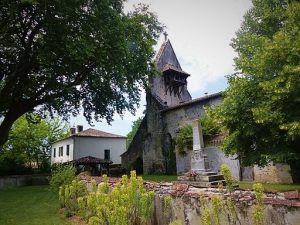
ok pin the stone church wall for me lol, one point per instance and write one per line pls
(135, 150)
(178, 117)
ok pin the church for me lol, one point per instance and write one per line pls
(169, 108)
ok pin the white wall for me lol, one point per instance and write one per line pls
(216, 158)
(89, 146)
(64, 158)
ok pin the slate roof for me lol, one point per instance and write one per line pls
(160, 51)
(196, 100)
(171, 67)
(160, 55)
(96, 133)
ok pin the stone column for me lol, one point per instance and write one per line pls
(198, 159)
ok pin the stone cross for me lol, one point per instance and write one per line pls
(197, 158)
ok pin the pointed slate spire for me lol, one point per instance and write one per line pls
(166, 55)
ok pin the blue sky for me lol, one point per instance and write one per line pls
(200, 32)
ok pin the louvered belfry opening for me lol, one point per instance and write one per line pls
(175, 80)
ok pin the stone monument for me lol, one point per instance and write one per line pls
(200, 174)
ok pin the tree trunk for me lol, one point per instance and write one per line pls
(7, 123)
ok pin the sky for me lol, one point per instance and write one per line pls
(200, 32)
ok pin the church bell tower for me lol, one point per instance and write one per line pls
(170, 86)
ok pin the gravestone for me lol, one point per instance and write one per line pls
(200, 174)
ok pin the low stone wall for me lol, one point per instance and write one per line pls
(277, 173)
(279, 208)
(24, 180)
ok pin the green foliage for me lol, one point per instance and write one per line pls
(184, 140)
(261, 107)
(206, 218)
(176, 222)
(29, 144)
(134, 128)
(167, 200)
(126, 203)
(258, 208)
(217, 205)
(225, 170)
(210, 211)
(210, 127)
(70, 196)
(61, 175)
(58, 56)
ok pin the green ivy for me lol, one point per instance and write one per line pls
(184, 140)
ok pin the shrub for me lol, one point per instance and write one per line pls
(258, 208)
(127, 203)
(61, 175)
(70, 196)
(225, 170)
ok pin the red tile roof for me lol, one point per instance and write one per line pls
(96, 133)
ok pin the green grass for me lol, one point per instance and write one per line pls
(271, 187)
(32, 205)
(160, 178)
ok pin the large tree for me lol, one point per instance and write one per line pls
(56, 56)
(261, 108)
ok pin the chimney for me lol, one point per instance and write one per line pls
(79, 128)
(73, 130)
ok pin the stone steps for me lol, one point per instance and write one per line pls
(209, 178)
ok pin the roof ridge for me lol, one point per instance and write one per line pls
(192, 101)
(160, 51)
(91, 132)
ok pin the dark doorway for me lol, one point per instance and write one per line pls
(139, 166)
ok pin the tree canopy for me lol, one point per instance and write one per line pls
(56, 56)
(134, 128)
(261, 107)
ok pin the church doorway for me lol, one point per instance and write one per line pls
(139, 166)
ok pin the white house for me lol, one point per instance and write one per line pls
(90, 142)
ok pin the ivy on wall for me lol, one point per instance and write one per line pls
(184, 140)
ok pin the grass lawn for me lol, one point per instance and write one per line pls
(160, 178)
(271, 187)
(32, 205)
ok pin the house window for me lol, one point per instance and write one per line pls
(54, 152)
(60, 151)
(68, 150)
(107, 154)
